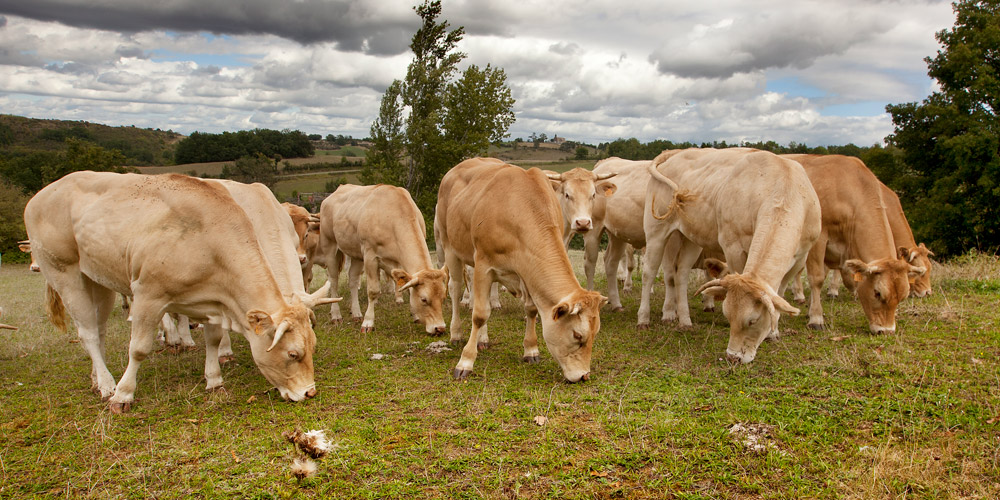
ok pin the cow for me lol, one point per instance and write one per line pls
(506, 223)
(380, 227)
(301, 220)
(621, 217)
(578, 190)
(313, 254)
(752, 206)
(175, 244)
(858, 238)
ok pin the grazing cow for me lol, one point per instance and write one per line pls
(313, 254)
(752, 206)
(856, 237)
(578, 190)
(175, 244)
(506, 223)
(379, 227)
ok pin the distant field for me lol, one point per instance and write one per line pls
(311, 183)
(838, 413)
(215, 168)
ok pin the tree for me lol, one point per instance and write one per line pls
(951, 140)
(384, 160)
(250, 169)
(445, 121)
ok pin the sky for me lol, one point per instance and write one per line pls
(813, 72)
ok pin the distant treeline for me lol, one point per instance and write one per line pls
(202, 147)
(632, 149)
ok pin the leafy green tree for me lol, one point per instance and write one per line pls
(446, 121)
(12, 201)
(951, 140)
(581, 153)
(250, 169)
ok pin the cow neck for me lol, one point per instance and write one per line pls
(416, 259)
(547, 274)
(874, 217)
(259, 290)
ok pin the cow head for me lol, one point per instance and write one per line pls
(752, 308)
(301, 219)
(577, 190)
(283, 342)
(428, 288)
(569, 330)
(881, 285)
(920, 256)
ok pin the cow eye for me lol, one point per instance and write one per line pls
(578, 336)
(751, 322)
(878, 295)
(293, 354)
(423, 299)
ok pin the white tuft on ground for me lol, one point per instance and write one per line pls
(303, 467)
(438, 347)
(758, 438)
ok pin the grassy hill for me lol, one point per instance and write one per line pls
(140, 146)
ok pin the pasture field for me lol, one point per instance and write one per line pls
(838, 413)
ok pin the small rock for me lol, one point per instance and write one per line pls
(541, 420)
(377, 356)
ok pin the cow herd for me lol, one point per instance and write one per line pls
(229, 256)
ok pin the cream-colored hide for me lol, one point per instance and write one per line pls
(514, 235)
(857, 238)
(379, 227)
(175, 244)
(753, 207)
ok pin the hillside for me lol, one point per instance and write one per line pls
(140, 146)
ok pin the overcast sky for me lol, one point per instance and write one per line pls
(814, 72)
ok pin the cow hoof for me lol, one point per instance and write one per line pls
(399, 301)
(336, 321)
(356, 319)
(219, 389)
(618, 309)
(709, 309)
(530, 359)
(829, 296)
(799, 300)
(189, 348)
(681, 328)
(172, 349)
(119, 408)
(460, 374)
(367, 329)
(225, 359)
(456, 342)
(482, 346)
(816, 326)
(642, 326)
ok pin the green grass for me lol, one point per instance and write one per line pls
(909, 415)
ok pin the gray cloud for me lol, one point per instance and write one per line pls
(352, 25)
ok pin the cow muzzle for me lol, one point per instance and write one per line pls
(879, 329)
(739, 357)
(582, 225)
(302, 258)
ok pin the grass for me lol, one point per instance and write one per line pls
(908, 415)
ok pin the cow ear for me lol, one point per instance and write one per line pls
(782, 305)
(447, 274)
(607, 188)
(856, 266)
(401, 277)
(904, 253)
(716, 268)
(562, 309)
(915, 272)
(260, 321)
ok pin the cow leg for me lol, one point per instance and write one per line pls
(226, 353)
(671, 252)
(177, 334)
(456, 282)
(374, 288)
(333, 274)
(467, 279)
(478, 338)
(612, 256)
(213, 370)
(625, 274)
(591, 249)
(530, 335)
(89, 305)
(686, 257)
(354, 285)
(145, 317)
(795, 278)
(833, 289)
(184, 331)
(655, 248)
(495, 295)
(816, 269)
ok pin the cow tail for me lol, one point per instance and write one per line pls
(55, 308)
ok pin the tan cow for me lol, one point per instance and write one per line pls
(752, 206)
(506, 223)
(858, 238)
(902, 235)
(578, 190)
(379, 227)
(621, 217)
(175, 244)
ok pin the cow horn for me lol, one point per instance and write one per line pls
(409, 284)
(319, 297)
(313, 218)
(556, 176)
(601, 177)
(706, 286)
(280, 332)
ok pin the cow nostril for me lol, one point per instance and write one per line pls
(732, 358)
(585, 377)
(439, 329)
(311, 393)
